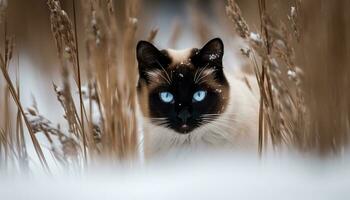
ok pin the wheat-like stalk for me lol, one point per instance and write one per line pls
(111, 87)
(281, 113)
(291, 111)
(16, 99)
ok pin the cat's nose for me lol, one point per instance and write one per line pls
(184, 115)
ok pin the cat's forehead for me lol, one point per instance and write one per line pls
(182, 71)
(180, 57)
(178, 75)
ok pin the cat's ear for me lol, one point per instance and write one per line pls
(146, 52)
(212, 51)
(148, 56)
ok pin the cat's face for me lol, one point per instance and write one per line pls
(182, 90)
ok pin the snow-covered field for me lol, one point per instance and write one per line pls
(210, 176)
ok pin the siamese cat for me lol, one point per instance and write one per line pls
(188, 99)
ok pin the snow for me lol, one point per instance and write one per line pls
(214, 175)
(292, 11)
(291, 73)
(133, 20)
(67, 49)
(245, 51)
(273, 62)
(213, 56)
(255, 37)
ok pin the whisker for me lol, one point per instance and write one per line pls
(202, 77)
(154, 73)
(219, 130)
(216, 133)
(200, 72)
(166, 73)
(156, 117)
(224, 124)
(195, 75)
(163, 77)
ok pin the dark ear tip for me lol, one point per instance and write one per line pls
(146, 52)
(217, 41)
(214, 45)
(142, 43)
(144, 46)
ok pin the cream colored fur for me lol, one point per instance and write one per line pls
(236, 128)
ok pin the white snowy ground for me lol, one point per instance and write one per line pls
(209, 176)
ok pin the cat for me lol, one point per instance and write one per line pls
(188, 99)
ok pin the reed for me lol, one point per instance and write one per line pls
(289, 112)
(14, 91)
(111, 72)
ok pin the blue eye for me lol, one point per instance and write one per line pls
(199, 95)
(166, 97)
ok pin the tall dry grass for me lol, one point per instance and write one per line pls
(111, 70)
(324, 52)
(13, 142)
(110, 131)
(304, 103)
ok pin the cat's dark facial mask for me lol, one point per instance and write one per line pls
(182, 90)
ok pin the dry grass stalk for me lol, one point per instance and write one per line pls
(62, 30)
(68, 143)
(324, 52)
(152, 35)
(82, 108)
(294, 19)
(111, 87)
(6, 96)
(13, 146)
(281, 107)
(65, 35)
(16, 99)
(307, 108)
(234, 13)
(20, 140)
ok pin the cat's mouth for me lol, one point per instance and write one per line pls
(184, 128)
